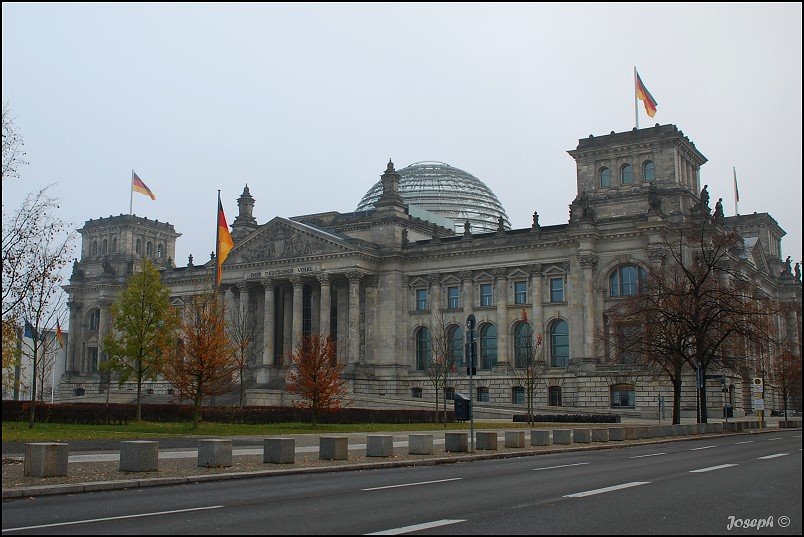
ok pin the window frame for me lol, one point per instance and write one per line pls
(553, 291)
(645, 177)
(554, 344)
(456, 298)
(630, 170)
(604, 172)
(489, 295)
(486, 358)
(424, 348)
(421, 299)
(520, 292)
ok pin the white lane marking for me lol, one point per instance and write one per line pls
(746, 442)
(113, 518)
(709, 469)
(417, 527)
(772, 456)
(606, 489)
(414, 484)
(649, 455)
(705, 447)
(777, 438)
(560, 466)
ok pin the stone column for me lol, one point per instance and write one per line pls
(537, 307)
(325, 304)
(467, 294)
(268, 328)
(435, 297)
(73, 359)
(588, 262)
(243, 306)
(104, 325)
(354, 316)
(298, 303)
(315, 310)
(229, 301)
(501, 292)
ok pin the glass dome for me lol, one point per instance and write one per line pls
(446, 191)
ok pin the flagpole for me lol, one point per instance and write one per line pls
(217, 239)
(131, 197)
(636, 100)
(736, 193)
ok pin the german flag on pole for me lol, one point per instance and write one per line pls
(59, 334)
(224, 239)
(138, 186)
(643, 93)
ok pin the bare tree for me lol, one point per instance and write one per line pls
(441, 360)
(13, 152)
(242, 326)
(529, 364)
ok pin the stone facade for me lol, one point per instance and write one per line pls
(378, 281)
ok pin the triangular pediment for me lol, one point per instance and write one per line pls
(757, 256)
(282, 239)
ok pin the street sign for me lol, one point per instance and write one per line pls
(758, 404)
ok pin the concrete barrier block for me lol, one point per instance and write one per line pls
(420, 444)
(486, 440)
(456, 442)
(333, 448)
(539, 437)
(562, 436)
(515, 439)
(46, 459)
(139, 456)
(645, 431)
(716, 428)
(656, 431)
(379, 445)
(730, 427)
(669, 430)
(279, 450)
(214, 453)
(702, 428)
(600, 435)
(582, 436)
(679, 430)
(631, 432)
(692, 429)
(616, 434)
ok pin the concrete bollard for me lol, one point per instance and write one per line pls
(562, 437)
(679, 430)
(420, 444)
(729, 427)
(656, 431)
(631, 432)
(279, 450)
(582, 436)
(702, 428)
(714, 428)
(380, 445)
(139, 456)
(600, 435)
(46, 459)
(333, 448)
(669, 430)
(456, 442)
(486, 440)
(515, 439)
(645, 432)
(214, 453)
(691, 428)
(539, 437)
(616, 434)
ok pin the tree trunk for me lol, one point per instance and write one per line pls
(702, 391)
(677, 398)
(196, 412)
(33, 391)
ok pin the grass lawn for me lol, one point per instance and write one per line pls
(15, 431)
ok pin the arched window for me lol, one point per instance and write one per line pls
(105, 247)
(559, 344)
(160, 251)
(114, 245)
(149, 249)
(455, 342)
(423, 348)
(94, 249)
(649, 171)
(523, 345)
(488, 346)
(627, 280)
(94, 319)
(605, 177)
(139, 246)
(623, 396)
(626, 174)
(518, 395)
(482, 394)
(554, 396)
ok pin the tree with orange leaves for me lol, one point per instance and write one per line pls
(202, 362)
(316, 376)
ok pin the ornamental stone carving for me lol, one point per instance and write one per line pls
(656, 253)
(587, 261)
(283, 242)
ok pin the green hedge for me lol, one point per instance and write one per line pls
(569, 418)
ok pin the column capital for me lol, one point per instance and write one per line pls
(587, 261)
(323, 278)
(535, 269)
(656, 252)
(267, 282)
(465, 275)
(242, 286)
(500, 273)
(354, 277)
(296, 281)
(434, 279)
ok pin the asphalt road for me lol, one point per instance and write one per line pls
(682, 487)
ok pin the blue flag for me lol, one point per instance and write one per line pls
(30, 331)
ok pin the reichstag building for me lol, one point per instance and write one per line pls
(429, 242)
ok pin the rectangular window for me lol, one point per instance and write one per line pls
(421, 299)
(485, 295)
(556, 289)
(452, 298)
(518, 395)
(92, 357)
(520, 293)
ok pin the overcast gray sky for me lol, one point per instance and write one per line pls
(306, 103)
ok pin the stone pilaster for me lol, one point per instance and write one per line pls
(298, 303)
(501, 293)
(537, 307)
(268, 320)
(588, 262)
(354, 316)
(325, 304)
